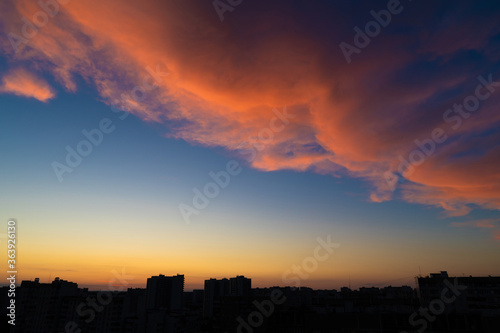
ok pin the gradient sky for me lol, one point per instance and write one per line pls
(332, 168)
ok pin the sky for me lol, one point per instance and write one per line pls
(215, 139)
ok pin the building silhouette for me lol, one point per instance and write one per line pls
(240, 286)
(218, 291)
(165, 292)
(457, 300)
(453, 304)
(47, 307)
(164, 303)
(212, 294)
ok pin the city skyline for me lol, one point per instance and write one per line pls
(119, 284)
(438, 301)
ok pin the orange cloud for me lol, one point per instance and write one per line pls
(22, 83)
(491, 224)
(225, 79)
(485, 223)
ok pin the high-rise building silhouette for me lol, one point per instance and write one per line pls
(216, 290)
(165, 292)
(240, 286)
(213, 292)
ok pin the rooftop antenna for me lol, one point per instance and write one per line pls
(349, 281)
(419, 270)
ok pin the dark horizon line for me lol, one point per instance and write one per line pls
(267, 287)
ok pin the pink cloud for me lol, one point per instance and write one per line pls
(22, 83)
(485, 223)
